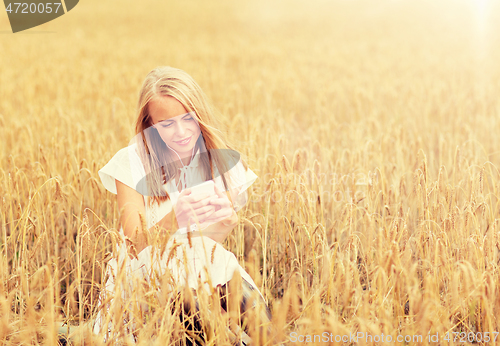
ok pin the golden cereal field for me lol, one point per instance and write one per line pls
(373, 126)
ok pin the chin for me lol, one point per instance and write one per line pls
(182, 149)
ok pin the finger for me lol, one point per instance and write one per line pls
(218, 191)
(204, 216)
(184, 192)
(214, 219)
(201, 203)
(234, 193)
(220, 215)
(222, 202)
(220, 195)
(201, 214)
(198, 219)
(204, 210)
(202, 221)
(197, 198)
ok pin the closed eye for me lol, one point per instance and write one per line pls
(165, 125)
(189, 116)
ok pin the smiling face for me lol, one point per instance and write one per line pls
(177, 128)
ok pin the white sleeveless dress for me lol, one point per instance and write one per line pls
(207, 260)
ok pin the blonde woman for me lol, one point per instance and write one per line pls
(159, 180)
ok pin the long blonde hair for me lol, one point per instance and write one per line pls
(155, 155)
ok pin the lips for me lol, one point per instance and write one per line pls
(184, 141)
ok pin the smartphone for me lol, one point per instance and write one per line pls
(206, 188)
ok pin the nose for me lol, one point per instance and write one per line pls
(180, 130)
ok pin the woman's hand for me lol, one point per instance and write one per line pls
(223, 209)
(192, 208)
(218, 225)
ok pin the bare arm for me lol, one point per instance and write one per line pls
(131, 204)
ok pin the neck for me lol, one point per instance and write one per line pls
(186, 158)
